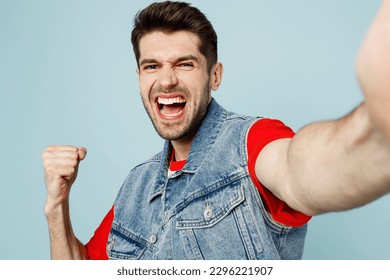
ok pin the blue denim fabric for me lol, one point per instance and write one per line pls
(208, 210)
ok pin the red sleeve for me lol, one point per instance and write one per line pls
(260, 134)
(96, 247)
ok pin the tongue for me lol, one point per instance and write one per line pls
(172, 109)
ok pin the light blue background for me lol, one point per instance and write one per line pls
(67, 76)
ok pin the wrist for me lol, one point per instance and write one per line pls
(54, 209)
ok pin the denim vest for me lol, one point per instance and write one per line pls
(208, 210)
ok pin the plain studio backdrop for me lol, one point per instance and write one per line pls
(68, 76)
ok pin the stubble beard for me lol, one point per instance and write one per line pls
(183, 129)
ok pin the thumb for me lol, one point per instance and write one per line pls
(81, 152)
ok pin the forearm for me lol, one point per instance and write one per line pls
(373, 70)
(342, 164)
(63, 242)
(60, 168)
(337, 165)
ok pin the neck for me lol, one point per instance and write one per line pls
(182, 149)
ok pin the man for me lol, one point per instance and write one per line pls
(226, 186)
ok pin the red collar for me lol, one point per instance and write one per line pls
(176, 165)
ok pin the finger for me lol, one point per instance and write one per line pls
(82, 152)
(61, 148)
(58, 162)
(60, 171)
(58, 154)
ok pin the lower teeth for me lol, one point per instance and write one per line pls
(171, 115)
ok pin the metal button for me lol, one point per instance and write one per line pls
(152, 239)
(207, 213)
(110, 245)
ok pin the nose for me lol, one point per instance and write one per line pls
(167, 77)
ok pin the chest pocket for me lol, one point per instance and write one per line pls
(209, 206)
(212, 224)
(124, 244)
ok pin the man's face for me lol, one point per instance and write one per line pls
(174, 82)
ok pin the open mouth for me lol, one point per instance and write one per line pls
(171, 107)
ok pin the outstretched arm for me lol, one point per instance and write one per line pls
(344, 163)
(373, 70)
(60, 168)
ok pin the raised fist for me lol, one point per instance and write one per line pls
(60, 167)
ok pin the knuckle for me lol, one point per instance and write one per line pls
(74, 162)
(46, 162)
(44, 154)
(71, 170)
(49, 169)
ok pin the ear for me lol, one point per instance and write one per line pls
(216, 76)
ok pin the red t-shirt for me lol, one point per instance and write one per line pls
(261, 133)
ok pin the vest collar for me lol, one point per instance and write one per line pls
(206, 136)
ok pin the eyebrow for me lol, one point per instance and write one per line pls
(147, 61)
(188, 57)
(179, 59)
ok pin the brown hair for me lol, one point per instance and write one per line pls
(171, 16)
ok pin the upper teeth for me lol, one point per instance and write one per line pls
(169, 101)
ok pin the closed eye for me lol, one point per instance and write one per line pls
(150, 67)
(186, 65)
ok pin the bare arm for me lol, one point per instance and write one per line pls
(60, 167)
(373, 70)
(345, 163)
